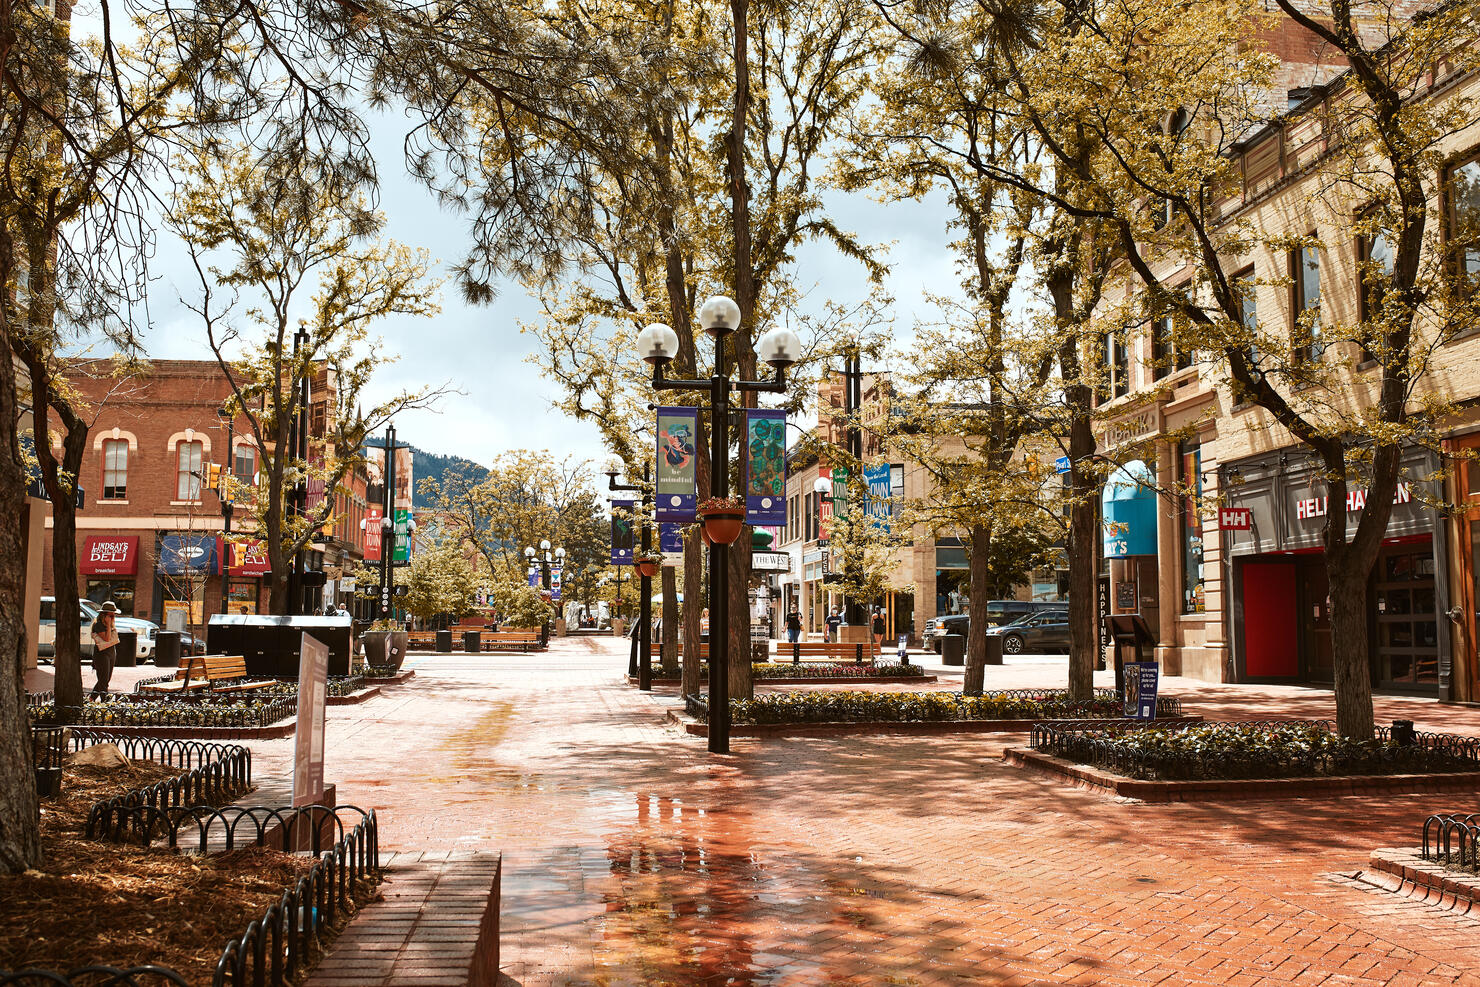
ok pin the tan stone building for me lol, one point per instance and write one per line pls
(1228, 571)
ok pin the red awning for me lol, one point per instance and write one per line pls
(249, 558)
(109, 555)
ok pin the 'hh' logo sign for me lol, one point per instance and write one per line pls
(1235, 519)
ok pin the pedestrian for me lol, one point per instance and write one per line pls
(878, 631)
(105, 647)
(794, 625)
(834, 621)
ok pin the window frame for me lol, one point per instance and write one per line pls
(1365, 242)
(114, 491)
(1456, 262)
(1306, 344)
(189, 474)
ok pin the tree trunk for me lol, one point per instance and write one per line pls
(1349, 647)
(1083, 558)
(693, 608)
(668, 646)
(20, 836)
(976, 636)
(742, 678)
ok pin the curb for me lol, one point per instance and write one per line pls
(833, 680)
(354, 698)
(274, 732)
(876, 727)
(1236, 789)
(401, 676)
(1405, 872)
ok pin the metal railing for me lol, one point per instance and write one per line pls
(1453, 839)
(214, 773)
(339, 685)
(48, 744)
(274, 949)
(698, 706)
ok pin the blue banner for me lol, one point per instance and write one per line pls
(879, 507)
(765, 475)
(670, 538)
(1140, 689)
(188, 555)
(555, 579)
(534, 574)
(622, 532)
(678, 473)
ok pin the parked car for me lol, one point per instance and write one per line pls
(998, 612)
(1034, 633)
(88, 612)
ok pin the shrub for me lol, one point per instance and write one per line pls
(891, 707)
(786, 670)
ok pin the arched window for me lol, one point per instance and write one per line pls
(115, 469)
(189, 457)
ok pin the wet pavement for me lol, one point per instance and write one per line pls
(632, 856)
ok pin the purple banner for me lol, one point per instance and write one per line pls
(765, 476)
(670, 538)
(678, 472)
(622, 532)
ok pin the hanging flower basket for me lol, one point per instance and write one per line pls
(647, 565)
(705, 535)
(723, 519)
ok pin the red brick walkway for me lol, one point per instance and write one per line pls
(631, 856)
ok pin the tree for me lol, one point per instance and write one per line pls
(1166, 104)
(441, 580)
(283, 236)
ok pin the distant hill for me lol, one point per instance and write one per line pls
(425, 464)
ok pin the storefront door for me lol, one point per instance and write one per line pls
(1315, 619)
(1407, 618)
(1468, 477)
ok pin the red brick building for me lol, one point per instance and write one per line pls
(150, 533)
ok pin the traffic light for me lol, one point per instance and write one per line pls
(213, 477)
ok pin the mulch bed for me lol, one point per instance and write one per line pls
(94, 902)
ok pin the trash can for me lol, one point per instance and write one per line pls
(953, 650)
(472, 642)
(167, 649)
(994, 649)
(127, 653)
(444, 641)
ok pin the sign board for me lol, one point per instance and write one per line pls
(372, 533)
(904, 648)
(1140, 689)
(1235, 518)
(677, 481)
(308, 734)
(1061, 465)
(349, 584)
(1103, 606)
(770, 561)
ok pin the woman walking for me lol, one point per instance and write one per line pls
(878, 631)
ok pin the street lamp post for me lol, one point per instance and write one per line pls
(545, 559)
(298, 446)
(658, 344)
(387, 520)
(645, 584)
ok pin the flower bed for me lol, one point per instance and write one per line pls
(823, 670)
(207, 711)
(895, 707)
(1293, 749)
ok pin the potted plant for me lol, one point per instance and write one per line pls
(723, 518)
(385, 644)
(648, 565)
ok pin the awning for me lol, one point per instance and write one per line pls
(1129, 504)
(109, 555)
(184, 555)
(248, 558)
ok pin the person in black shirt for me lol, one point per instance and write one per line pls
(105, 648)
(794, 626)
(878, 630)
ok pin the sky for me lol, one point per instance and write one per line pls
(501, 402)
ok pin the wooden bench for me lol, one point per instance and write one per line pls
(421, 639)
(823, 651)
(523, 638)
(215, 673)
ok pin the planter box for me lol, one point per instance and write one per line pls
(386, 649)
(1236, 789)
(697, 729)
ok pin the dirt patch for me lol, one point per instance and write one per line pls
(92, 902)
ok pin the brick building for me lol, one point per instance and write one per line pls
(1249, 601)
(150, 532)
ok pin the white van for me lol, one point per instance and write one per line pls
(46, 644)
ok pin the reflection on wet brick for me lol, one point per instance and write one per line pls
(631, 856)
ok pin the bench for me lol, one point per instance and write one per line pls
(215, 673)
(821, 651)
(523, 638)
(421, 639)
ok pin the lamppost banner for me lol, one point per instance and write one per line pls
(678, 476)
(534, 574)
(555, 577)
(670, 538)
(621, 532)
(765, 483)
(880, 504)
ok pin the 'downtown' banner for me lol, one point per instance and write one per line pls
(622, 532)
(678, 476)
(765, 451)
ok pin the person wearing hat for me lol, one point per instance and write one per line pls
(105, 647)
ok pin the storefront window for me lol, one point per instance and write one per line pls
(242, 596)
(120, 591)
(1192, 543)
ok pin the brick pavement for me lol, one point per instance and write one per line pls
(631, 856)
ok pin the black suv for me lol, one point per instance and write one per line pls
(999, 612)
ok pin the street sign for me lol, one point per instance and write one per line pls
(770, 561)
(1140, 689)
(1061, 464)
(308, 742)
(1235, 519)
